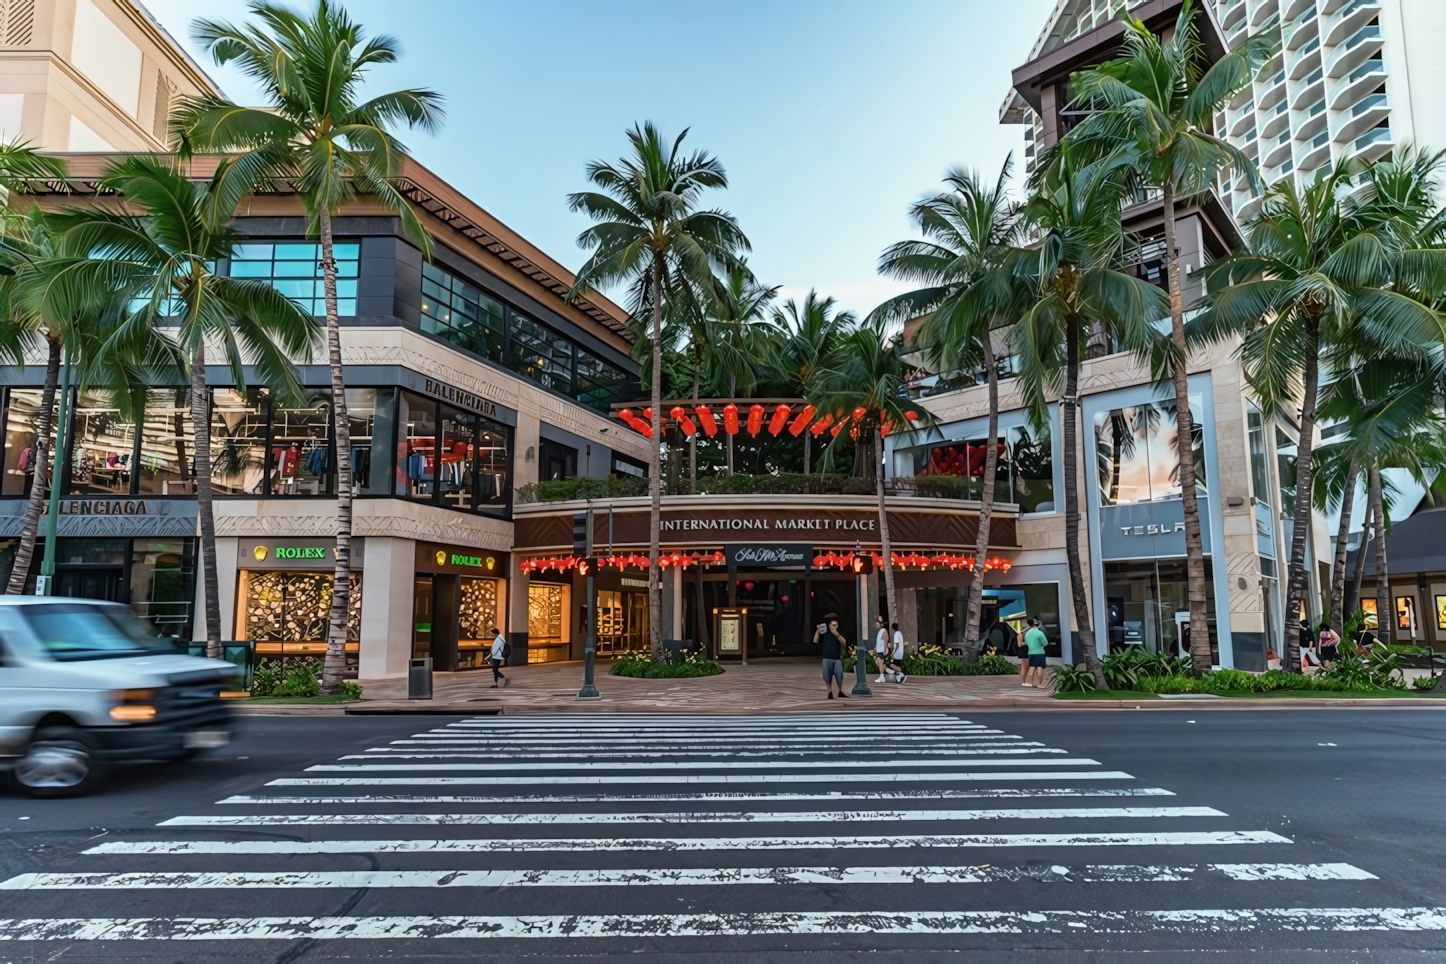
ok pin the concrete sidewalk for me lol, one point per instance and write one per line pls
(773, 685)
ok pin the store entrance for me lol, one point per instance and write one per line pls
(783, 609)
(92, 582)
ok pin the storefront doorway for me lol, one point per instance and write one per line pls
(783, 609)
(1146, 602)
(456, 603)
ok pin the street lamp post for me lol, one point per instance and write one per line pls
(45, 582)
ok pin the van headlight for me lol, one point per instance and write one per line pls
(133, 706)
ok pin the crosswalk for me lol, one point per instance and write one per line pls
(648, 828)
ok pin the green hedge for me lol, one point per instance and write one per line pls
(565, 490)
(643, 666)
(784, 483)
(934, 664)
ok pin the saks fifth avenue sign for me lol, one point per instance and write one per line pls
(769, 525)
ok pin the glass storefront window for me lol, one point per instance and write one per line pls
(456, 458)
(476, 617)
(295, 271)
(294, 607)
(546, 618)
(1145, 603)
(1024, 473)
(163, 583)
(416, 447)
(1285, 450)
(1135, 454)
(369, 414)
(461, 314)
(492, 465)
(21, 415)
(540, 355)
(104, 442)
(1259, 459)
(301, 462)
(238, 441)
(168, 444)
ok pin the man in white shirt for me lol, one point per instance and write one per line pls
(881, 648)
(896, 664)
(499, 656)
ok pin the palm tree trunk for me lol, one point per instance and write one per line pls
(655, 474)
(732, 400)
(1343, 533)
(201, 428)
(1185, 445)
(25, 551)
(693, 439)
(1304, 469)
(1069, 416)
(972, 629)
(884, 532)
(1360, 574)
(335, 664)
(1384, 614)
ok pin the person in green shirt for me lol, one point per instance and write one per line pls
(1034, 643)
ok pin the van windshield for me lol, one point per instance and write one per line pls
(75, 631)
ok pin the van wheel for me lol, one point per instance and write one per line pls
(59, 762)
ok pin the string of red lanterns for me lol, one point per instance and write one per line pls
(757, 420)
(624, 561)
(938, 560)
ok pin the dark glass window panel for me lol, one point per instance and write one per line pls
(540, 355)
(238, 441)
(168, 444)
(21, 415)
(416, 447)
(101, 447)
(301, 459)
(456, 459)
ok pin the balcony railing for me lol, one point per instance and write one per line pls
(1374, 136)
(742, 483)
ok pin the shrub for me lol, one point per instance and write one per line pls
(564, 490)
(1226, 681)
(301, 681)
(1174, 683)
(264, 682)
(1073, 679)
(1279, 679)
(1424, 684)
(351, 689)
(641, 665)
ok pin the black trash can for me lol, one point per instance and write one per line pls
(419, 679)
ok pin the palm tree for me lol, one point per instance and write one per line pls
(868, 384)
(808, 337)
(161, 261)
(316, 131)
(1393, 408)
(1324, 273)
(1075, 289)
(1161, 99)
(965, 262)
(651, 234)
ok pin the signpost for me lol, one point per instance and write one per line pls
(730, 631)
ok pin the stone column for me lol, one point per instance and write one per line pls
(387, 600)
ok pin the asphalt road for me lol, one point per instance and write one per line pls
(1102, 835)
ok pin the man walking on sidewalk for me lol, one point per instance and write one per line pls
(499, 656)
(896, 662)
(881, 648)
(1034, 643)
(833, 648)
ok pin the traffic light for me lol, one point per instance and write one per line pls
(588, 566)
(862, 565)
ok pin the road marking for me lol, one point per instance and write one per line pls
(665, 877)
(710, 743)
(693, 778)
(687, 765)
(411, 753)
(737, 816)
(651, 927)
(681, 844)
(719, 796)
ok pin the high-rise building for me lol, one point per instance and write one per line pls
(90, 75)
(1352, 78)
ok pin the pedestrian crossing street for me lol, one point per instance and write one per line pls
(636, 829)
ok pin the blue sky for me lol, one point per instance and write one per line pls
(831, 116)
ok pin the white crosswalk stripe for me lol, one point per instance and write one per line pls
(679, 802)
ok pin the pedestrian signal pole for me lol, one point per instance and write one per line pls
(582, 546)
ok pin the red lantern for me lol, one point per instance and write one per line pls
(636, 423)
(886, 428)
(839, 427)
(684, 422)
(912, 416)
(818, 427)
(706, 419)
(800, 421)
(859, 414)
(780, 419)
(730, 418)
(755, 419)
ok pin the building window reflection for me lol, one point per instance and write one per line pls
(22, 413)
(167, 464)
(295, 271)
(102, 448)
(301, 461)
(238, 441)
(1024, 474)
(1136, 457)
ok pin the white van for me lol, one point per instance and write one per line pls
(86, 683)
